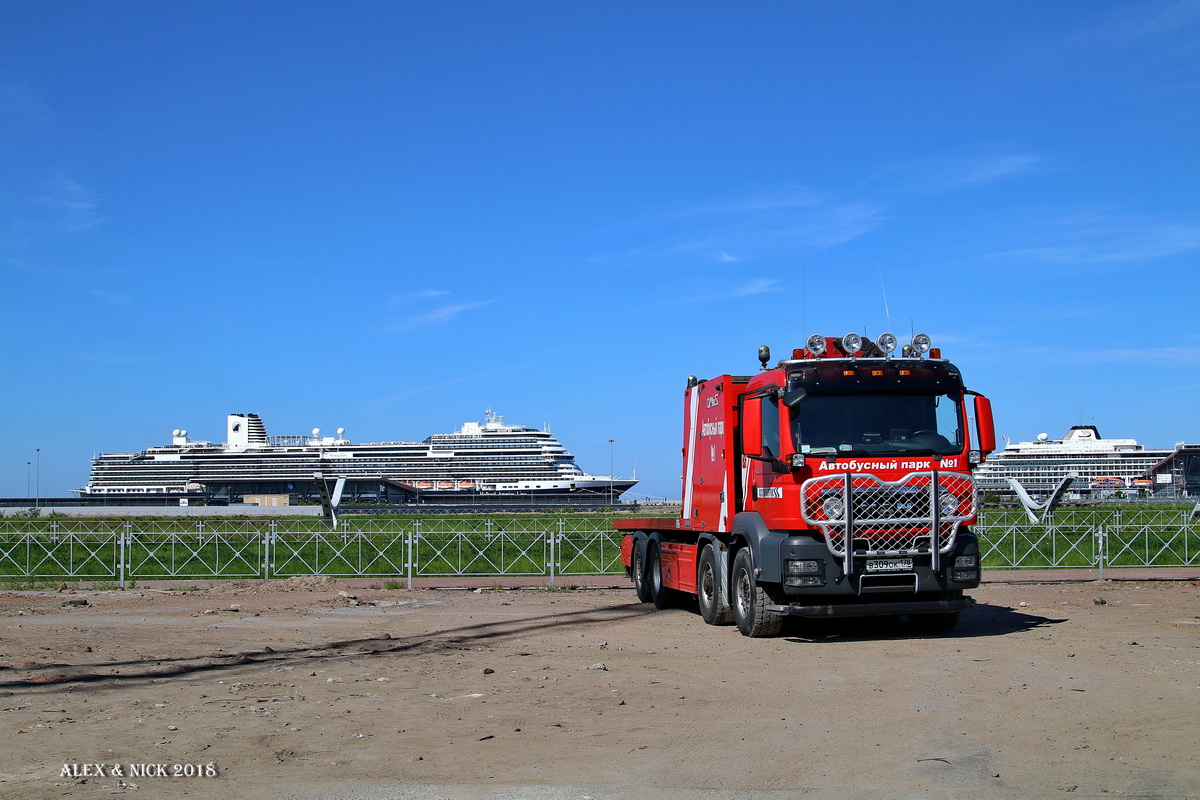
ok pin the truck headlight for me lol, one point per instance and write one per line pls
(966, 569)
(834, 507)
(948, 504)
(803, 572)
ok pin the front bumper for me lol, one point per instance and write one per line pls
(838, 610)
(831, 584)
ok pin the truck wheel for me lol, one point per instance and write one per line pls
(750, 601)
(938, 622)
(659, 594)
(638, 567)
(713, 607)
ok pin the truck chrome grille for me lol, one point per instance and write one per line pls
(895, 518)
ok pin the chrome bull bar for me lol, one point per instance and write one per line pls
(862, 515)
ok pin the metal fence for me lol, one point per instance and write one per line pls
(119, 552)
(1091, 539)
(551, 547)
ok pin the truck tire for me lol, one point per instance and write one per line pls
(750, 601)
(659, 594)
(938, 622)
(637, 568)
(714, 608)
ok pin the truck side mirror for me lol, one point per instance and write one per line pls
(984, 424)
(794, 397)
(752, 428)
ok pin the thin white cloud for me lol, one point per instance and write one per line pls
(994, 168)
(387, 401)
(947, 173)
(1109, 240)
(782, 198)
(109, 297)
(20, 106)
(832, 225)
(1181, 355)
(760, 286)
(1154, 42)
(1137, 23)
(748, 289)
(72, 206)
(401, 298)
(438, 316)
(786, 219)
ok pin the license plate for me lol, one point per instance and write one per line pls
(889, 565)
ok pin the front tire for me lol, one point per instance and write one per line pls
(938, 622)
(750, 601)
(714, 609)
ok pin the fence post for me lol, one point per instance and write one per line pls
(268, 542)
(1187, 536)
(552, 536)
(125, 534)
(413, 538)
(1101, 548)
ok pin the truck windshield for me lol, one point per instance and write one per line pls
(877, 424)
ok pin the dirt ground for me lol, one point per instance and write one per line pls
(313, 688)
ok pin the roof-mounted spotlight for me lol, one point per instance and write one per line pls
(816, 344)
(921, 343)
(887, 343)
(852, 343)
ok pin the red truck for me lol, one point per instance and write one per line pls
(835, 484)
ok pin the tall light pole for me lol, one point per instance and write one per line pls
(28, 485)
(610, 471)
(37, 503)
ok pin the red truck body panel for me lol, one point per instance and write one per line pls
(710, 486)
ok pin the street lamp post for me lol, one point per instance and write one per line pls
(28, 485)
(610, 471)
(37, 502)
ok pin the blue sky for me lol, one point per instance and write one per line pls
(390, 216)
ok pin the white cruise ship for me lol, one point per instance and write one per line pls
(1100, 464)
(488, 462)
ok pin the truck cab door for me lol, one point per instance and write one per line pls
(762, 448)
